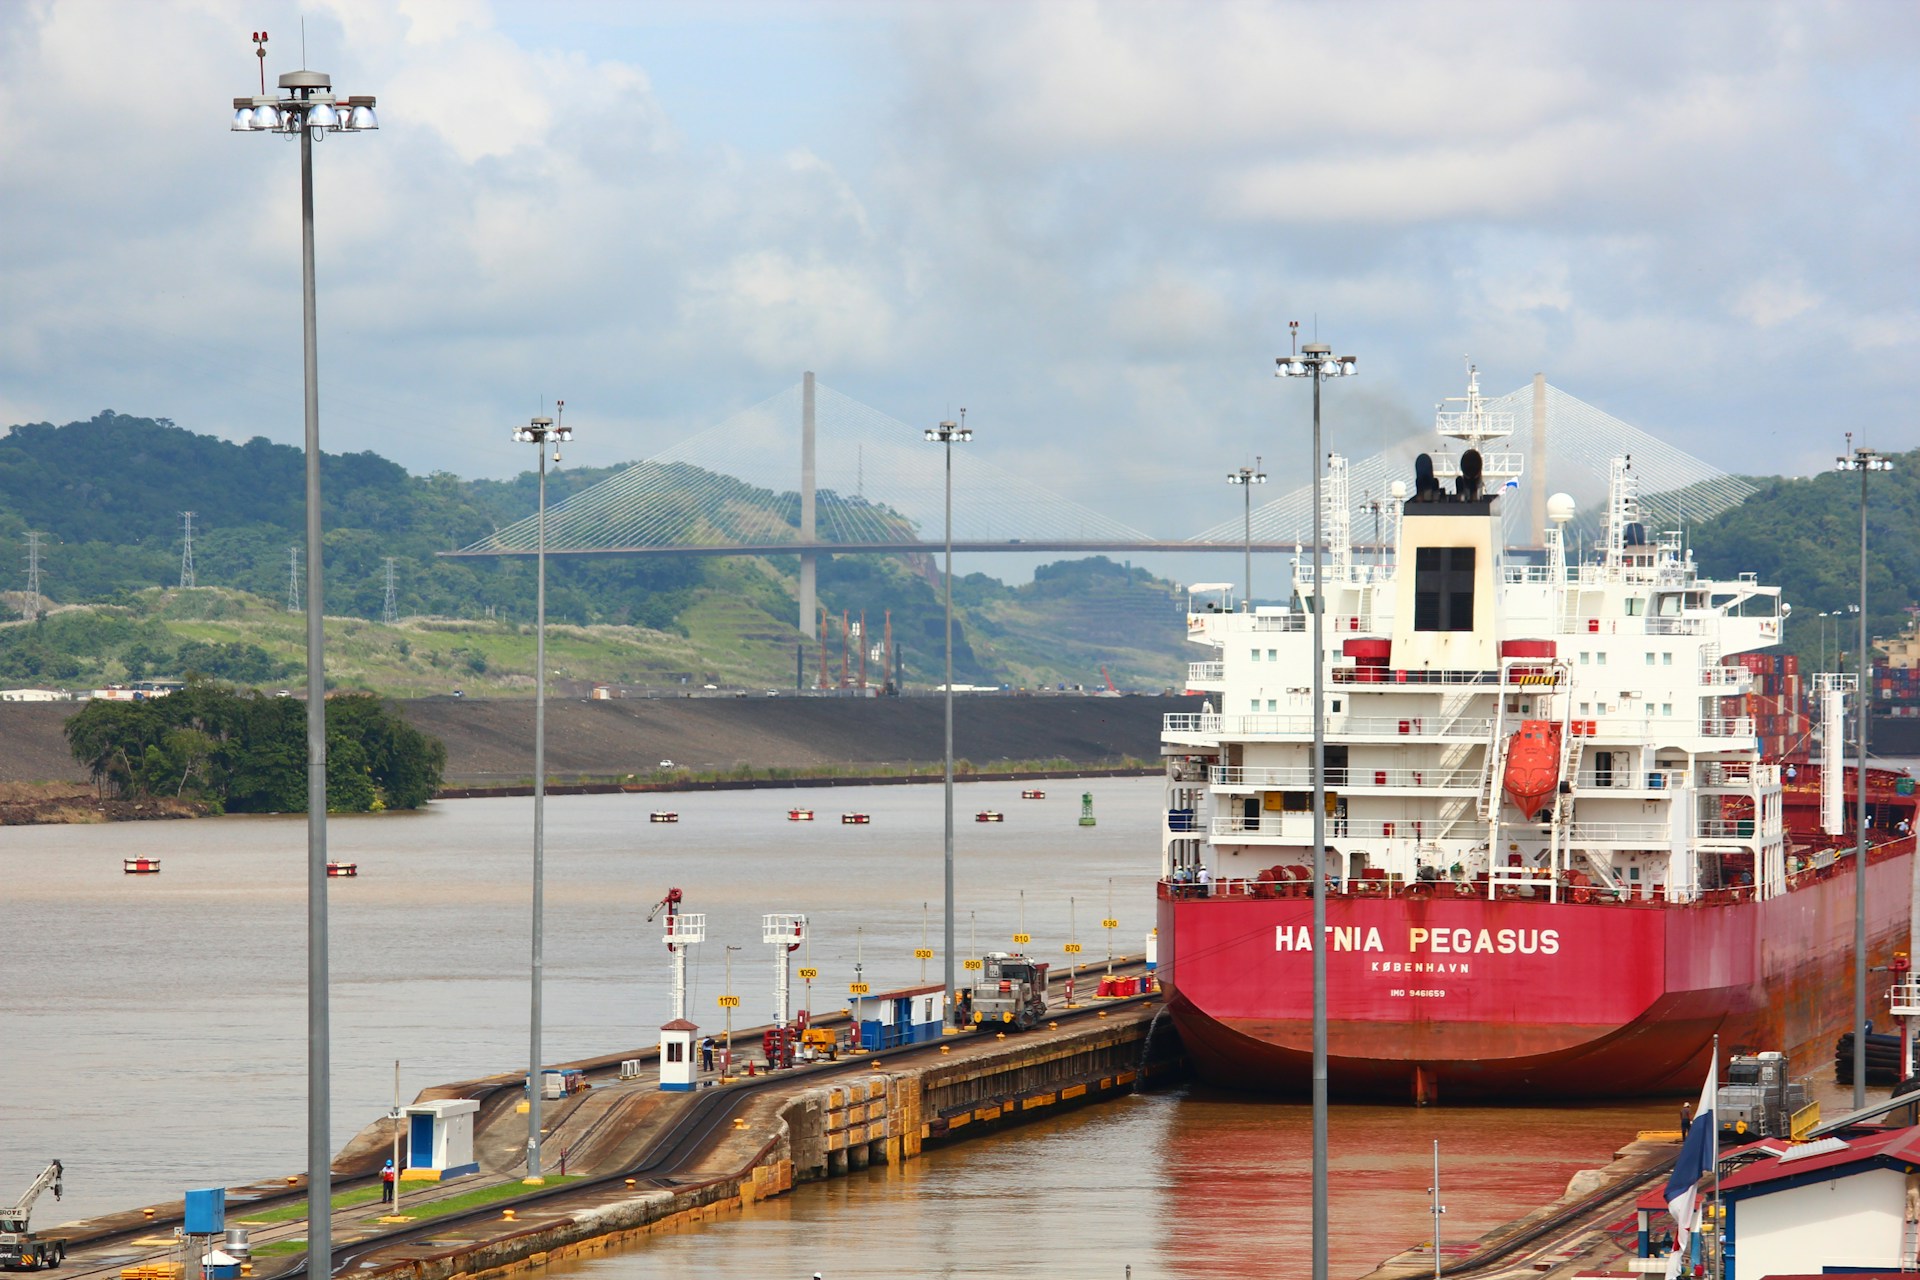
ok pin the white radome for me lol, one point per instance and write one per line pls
(1560, 508)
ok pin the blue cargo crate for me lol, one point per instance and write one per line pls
(206, 1212)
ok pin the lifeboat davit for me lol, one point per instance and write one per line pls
(1533, 765)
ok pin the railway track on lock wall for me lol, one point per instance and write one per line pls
(681, 1143)
(1577, 1218)
(684, 1142)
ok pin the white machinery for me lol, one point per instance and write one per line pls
(683, 930)
(19, 1250)
(785, 933)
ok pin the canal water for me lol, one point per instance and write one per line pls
(152, 1028)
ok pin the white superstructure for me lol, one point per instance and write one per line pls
(1435, 656)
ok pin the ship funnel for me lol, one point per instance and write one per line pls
(1467, 487)
(1425, 487)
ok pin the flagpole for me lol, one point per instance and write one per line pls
(1719, 1233)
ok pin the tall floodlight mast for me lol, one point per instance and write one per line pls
(306, 108)
(1317, 361)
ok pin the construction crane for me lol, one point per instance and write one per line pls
(19, 1250)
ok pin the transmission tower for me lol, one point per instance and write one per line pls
(390, 609)
(293, 579)
(186, 554)
(32, 610)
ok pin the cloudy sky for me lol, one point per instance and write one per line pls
(1088, 223)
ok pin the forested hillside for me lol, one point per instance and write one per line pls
(1804, 535)
(108, 494)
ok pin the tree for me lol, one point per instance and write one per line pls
(244, 752)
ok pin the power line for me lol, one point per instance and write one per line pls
(293, 579)
(34, 605)
(186, 555)
(389, 609)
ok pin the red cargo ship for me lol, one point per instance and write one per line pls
(1561, 853)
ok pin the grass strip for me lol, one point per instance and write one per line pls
(475, 1198)
(297, 1211)
(280, 1248)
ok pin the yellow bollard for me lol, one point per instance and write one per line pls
(632, 1182)
(507, 1215)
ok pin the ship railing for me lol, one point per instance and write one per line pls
(1519, 573)
(1629, 833)
(1394, 676)
(1206, 672)
(1279, 622)
(1350, 779)
(1903, 999)
(1520, 878)
(1591, 625)
(1726, 773)
(1274, 724)
(1729, 677)
(1724, 829)
(1727, 727)
(1675, 626)
(1625, 780)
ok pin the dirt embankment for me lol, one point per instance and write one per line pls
(491, 740)
(27, 803)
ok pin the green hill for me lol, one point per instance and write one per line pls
(108, 492)
(1804, 536)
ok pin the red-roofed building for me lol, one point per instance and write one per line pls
(1825, 1207)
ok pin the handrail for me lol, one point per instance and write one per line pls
(1259, 724)
(1300, 776)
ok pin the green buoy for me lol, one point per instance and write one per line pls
(1086, 809)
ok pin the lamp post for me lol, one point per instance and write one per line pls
(537, 433)
(1316, 360)
(1246, 478)
(307, 108)
(1862, 460)
(946, 434)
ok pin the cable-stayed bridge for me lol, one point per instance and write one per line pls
(813, 472)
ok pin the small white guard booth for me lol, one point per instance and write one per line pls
(676, 1055)
(440, 1140)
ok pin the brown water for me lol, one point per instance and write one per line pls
(152, 1029)
(1177, 1184)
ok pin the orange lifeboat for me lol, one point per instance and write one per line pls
(1533, 765)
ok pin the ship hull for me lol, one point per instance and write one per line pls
(1464, 999)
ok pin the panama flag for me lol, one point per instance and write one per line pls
(1696, 1159)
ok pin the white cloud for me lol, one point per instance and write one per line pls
(1091, 220)
(785, 313)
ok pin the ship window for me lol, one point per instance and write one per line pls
(1586, 708)
(1666, 708)
(1635, 607)
(1256, 655)
(1443, 589)
(1649, 657)
(1271, 656)
(1666, 659)
(1336, 704)
(1585, 657)
(1256, 704)
(1600, 658)
(1269, 704)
